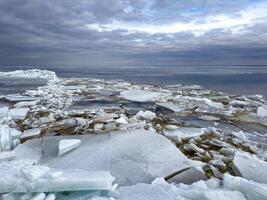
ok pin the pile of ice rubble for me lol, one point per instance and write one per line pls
(99, 139)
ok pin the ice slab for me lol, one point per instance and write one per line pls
(251, 190)
(250, 167)
(7, 155)
(172, 106)
(18, 113)
(6, 141)
(20, 177)
(131, 156)
(25, 104)
(29, 133)
(184, 133)
(18, 98)
(159, 190)
(67, 145)
(143, 95)
(262, 111)
(3, 112)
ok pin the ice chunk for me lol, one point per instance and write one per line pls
(158, 190)
(170, 127)
(262, 111)
(67, 145)
(15, 133)
(223, 195)
(189, 176)
(18, 98)
(3, 112)
(172, 106)
(29, 133)
(25, 104)
(6, 142)
(30, 150)
(147, 115)
(121, 120)
(33, 173)
(143, 95)
(31, 73)
(18, 113)
(252, 190)
(184, 133)
(250, 167)
(130, 156)
(7, 155)
(20, 177)
(39, 196)
(50, 196)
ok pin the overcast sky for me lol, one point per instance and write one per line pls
(132, 32)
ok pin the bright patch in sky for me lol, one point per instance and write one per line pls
(234, 23)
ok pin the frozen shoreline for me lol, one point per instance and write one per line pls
(206, 127)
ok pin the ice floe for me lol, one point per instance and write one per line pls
(144, 95)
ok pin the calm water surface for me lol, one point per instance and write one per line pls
(230, 79)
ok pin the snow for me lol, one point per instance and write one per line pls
(130, 156)
(67, 145)
(29, 133)
(159, 190)
(250, 167)
(143, 95)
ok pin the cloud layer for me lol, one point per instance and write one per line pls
(132, 32)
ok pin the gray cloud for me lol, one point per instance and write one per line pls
(55, 32)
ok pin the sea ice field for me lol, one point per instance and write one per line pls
(95, 139)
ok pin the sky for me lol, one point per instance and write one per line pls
(133, 33)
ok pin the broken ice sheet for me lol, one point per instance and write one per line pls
(131, 156)
(22, 177)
